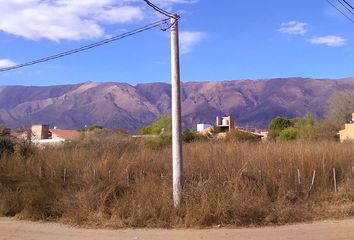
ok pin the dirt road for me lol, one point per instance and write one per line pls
(328, 230)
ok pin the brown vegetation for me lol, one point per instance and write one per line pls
(113, 181)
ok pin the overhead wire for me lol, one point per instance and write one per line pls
(348, 4)
(105, 41)
(90, 46)
(346, 7)
(160, 10)
(349, 18)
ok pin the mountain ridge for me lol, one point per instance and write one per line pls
(122, 105)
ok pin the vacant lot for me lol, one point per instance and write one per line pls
(113, 182)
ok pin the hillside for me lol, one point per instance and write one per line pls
(120, 105)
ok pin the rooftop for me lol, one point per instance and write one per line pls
(66, 134)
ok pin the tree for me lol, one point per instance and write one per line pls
(160, 126)
(277, 125)
(305, 127)
(340, 108)
(288, 134)
(326, 130)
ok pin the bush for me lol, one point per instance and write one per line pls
(7, 146)
(288, 134)
(188, 136)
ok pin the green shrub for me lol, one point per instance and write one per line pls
(188, 136)
(288, 134)
(277, 125)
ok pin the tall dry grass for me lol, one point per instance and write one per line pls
(125, 183)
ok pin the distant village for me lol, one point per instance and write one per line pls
(42, 134)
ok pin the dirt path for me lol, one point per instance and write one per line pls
(328, 230)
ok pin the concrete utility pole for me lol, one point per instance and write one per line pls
(177, 160)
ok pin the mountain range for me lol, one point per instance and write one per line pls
(121, 105)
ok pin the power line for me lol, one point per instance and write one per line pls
(348, 4)
(350, 19)
(346, 7)
(160, 10)
(87, 47)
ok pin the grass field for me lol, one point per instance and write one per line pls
(117, 182)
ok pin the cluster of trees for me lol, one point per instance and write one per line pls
(306, 128)
(290, 129)
(339, 111)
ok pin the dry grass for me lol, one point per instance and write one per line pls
(125, 183)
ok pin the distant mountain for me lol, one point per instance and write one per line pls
(120, 105)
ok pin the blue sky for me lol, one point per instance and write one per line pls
(220, 40)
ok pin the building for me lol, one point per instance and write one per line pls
(264, 135)
(202, 126)
(41, 134)
(64, 135)
(225, 124)
(348, 132)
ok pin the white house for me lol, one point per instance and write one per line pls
(202, 126)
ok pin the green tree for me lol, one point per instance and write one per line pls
(305, 127)
(288, 134)
(277, 125)
(161, 125)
